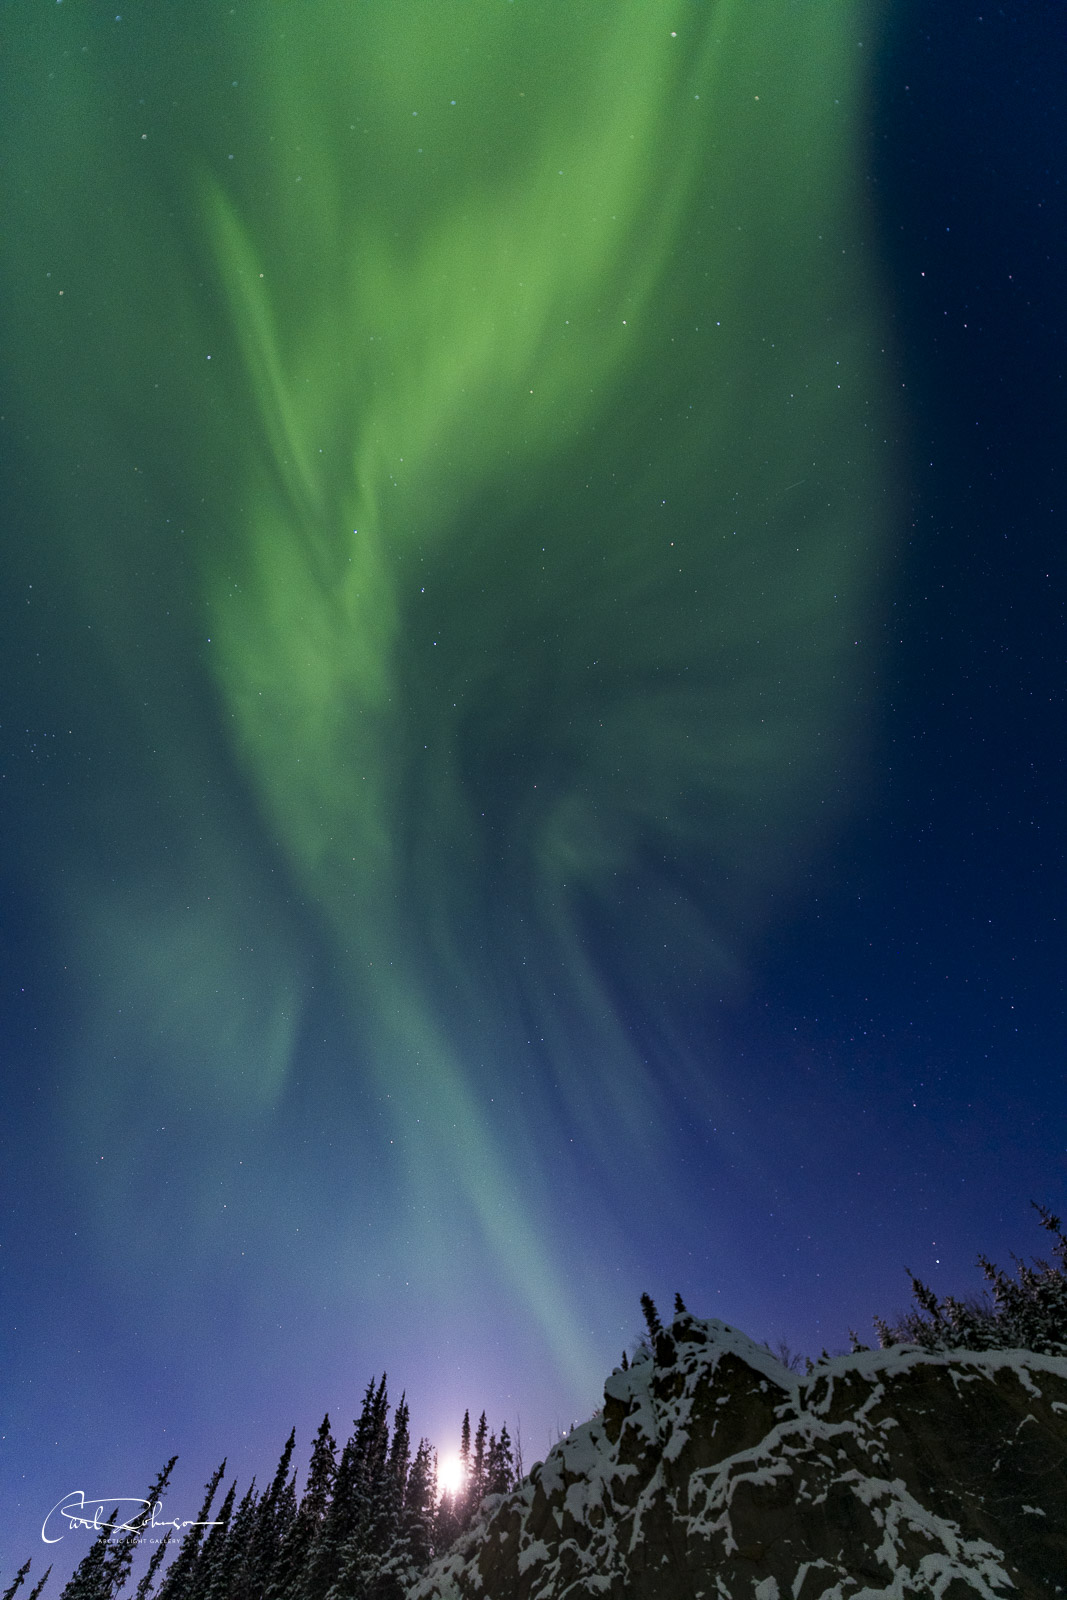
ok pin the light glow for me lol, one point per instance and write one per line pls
(450, 1475)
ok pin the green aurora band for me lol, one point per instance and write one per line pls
(517, 396)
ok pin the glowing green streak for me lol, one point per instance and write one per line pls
(536, 491)
(492, 343)
(419, 348)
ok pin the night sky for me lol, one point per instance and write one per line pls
(531, 700)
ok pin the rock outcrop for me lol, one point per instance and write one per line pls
(713, 1473)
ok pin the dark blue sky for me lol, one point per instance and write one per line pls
(923, 970)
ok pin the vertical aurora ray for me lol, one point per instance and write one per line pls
(547, 479)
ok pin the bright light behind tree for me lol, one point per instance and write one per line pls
(450, 1475)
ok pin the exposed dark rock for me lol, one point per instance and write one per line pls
(713, 1471)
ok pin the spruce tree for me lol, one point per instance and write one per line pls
(324, 1555)
(395, 1480)
(287, 1580)
(34, 1592)
(269, 1525)
(286, 1512)
(371, 1523)
(144, 1588)
(382, 1495)
(465, 1446)
(321, 1473)
(337, 1542)
(506, 1461)
(400, 1452)
(175, 1585)
(479, 1463)
(19, 1577)
(500, 1464)
(386, 1570)
(1027, 1312)
(230, 1578)
(417, 1521)
(660, 1339)
(119, 1558)
(211, 1557)
(89, 1580)
(461, 1498)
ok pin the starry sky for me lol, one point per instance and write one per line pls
(531, 699)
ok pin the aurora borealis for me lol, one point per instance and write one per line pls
(466, 470)
(448, 584)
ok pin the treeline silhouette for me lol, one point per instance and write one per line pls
(1027, 1312)
(368, 1523)
(370, 1519)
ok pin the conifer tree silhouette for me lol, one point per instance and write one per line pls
(500, 1463)
(286, 1581)
(231, 1579)
(1027, 1312)
(144, 1588)
(119, 1557)
(211, 1559)
(176, 1580)
(477, 1482)
(18, 1580)
(89, 1580)
(273, 1513)
(416, 1544)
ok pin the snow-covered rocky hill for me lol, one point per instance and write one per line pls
(713, 1473)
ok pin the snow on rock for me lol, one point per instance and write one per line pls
(714, 1473)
